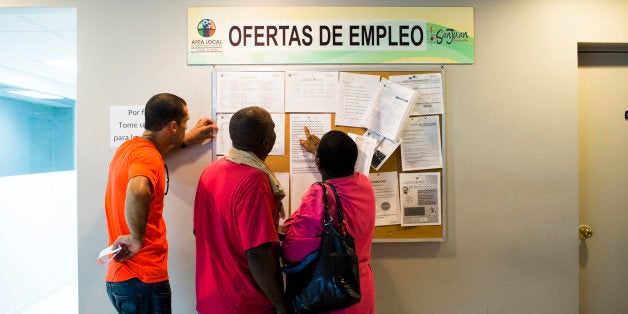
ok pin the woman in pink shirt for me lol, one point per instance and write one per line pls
(336, 154)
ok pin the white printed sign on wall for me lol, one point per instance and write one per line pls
(125, 123)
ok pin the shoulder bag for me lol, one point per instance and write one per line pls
(328, 278)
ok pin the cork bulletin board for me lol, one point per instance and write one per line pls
(281, 163)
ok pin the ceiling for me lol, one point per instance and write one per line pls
(38, 52)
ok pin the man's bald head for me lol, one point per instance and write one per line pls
(252, 129)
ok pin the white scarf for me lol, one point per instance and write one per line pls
(249, 159)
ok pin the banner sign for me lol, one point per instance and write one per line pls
(330, 35)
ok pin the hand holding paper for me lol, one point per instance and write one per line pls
(129, 247)
(103, 256)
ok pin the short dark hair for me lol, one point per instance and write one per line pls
(161, 109)
(337, 154)
(248, 127)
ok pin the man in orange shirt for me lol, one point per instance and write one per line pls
(137, 277)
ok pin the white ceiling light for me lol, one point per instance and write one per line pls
(34, 94)
(66, 65)
(28, 38)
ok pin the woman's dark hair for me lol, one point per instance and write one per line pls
(337, 154)
(161, 109)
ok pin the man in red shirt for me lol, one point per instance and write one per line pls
(137, 277)
(236, 213)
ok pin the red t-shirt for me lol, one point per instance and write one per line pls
(234, 211)
(137, 157)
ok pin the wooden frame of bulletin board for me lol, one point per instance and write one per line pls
(392, 233)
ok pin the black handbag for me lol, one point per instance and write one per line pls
(327, 279)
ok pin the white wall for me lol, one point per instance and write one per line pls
(37, 236)
(129, 51)
(512, 189)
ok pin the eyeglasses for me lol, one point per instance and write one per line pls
(167, 179)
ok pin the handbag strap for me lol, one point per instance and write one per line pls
(328, 217)
(343, 223)
(327, 214)
(338, 204)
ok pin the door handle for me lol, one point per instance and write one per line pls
(585, 232)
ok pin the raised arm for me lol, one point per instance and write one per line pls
(203, 130)
(310, 142)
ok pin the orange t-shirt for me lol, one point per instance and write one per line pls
(137, 157)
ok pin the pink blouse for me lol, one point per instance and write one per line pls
(304, 229)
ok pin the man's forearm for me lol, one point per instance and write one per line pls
(137, 206)
(263, 261)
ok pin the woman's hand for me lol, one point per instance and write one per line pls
(310, 143)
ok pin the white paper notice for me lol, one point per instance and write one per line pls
(302, 161)
(420, 198)
(421, 147)
(126, 122)
(284, 179)
(280, 130)
(430, 89)
(354, 94)
(386, 188)
(389, 109)
(237, 90)
(311, 91)
(299, 184)
(223, 139)
(384, 149)
(366, 147)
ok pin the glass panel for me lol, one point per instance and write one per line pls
(39, 138)
(38, 231)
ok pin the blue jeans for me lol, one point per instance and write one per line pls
(133, 296)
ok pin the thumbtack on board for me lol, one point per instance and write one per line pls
(626, 115)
